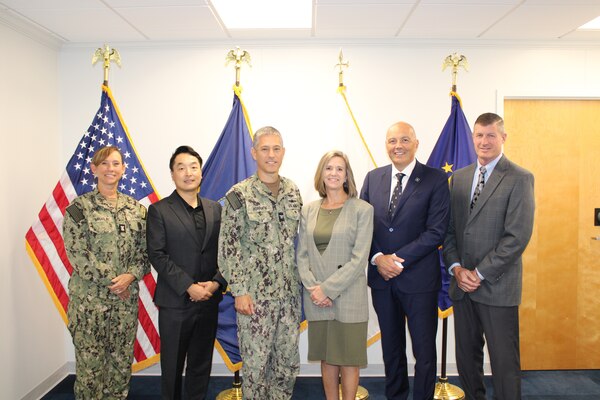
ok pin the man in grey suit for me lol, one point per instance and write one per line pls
(492, 207)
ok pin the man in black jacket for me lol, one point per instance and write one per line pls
(182, 236)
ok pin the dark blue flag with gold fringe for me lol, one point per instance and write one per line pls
(229, 163)
(453, 150)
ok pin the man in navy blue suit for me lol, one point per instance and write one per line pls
(411, 203)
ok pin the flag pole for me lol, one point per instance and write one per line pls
(106, 54)
(237, 56)
(443, 389)
(342, 91)
(361, 392)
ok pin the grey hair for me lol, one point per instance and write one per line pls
(265, 130)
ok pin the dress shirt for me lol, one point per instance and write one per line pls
(406, 171)
(198, 217)
(489, 168)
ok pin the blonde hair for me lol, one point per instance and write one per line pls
(349, 185)
(103, 153)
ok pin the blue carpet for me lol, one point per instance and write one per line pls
(537, 385)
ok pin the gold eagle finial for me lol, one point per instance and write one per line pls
(107, 55)
(237, 56)
(455, 61)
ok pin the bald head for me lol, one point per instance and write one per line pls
(403, 127)
(401, 144)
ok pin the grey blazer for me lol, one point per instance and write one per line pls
(493, 236)
(340, 270)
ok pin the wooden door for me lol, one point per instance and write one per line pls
(559, 141)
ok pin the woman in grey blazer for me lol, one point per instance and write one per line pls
(333, 249)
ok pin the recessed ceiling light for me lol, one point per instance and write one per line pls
(592, 25)
(265, 14)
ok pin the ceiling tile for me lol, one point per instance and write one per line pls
(363, 2)
(451, 21)
(583, 35)
(537, 22)
(85, 25)
(353, 21)
(192, 20)
(270, 34)
(52, 5)
(471, 2)
(174, 23)
(154, 3)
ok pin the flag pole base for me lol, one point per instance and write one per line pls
(361, 393)
(234, 393)
(446, 391)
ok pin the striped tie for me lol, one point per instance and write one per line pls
(479, 187)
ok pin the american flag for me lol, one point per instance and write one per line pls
(44, 241)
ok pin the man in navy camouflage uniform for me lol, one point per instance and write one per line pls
(256, 256)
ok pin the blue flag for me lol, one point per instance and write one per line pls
(453, 150)
(229, 163)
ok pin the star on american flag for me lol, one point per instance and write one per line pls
(107, 131)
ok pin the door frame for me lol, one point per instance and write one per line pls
(519, 94)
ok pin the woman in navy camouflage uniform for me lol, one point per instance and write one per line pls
(105, 239)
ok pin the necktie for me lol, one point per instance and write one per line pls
(479, 187)
(396, 194)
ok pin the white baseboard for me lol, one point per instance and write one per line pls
(49, 383)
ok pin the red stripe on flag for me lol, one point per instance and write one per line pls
(149, 327)
(40, 254)
(150, 283)
(60, 197)
(138, 352)
(153, 197)
(56, 236)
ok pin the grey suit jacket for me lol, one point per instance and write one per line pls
(493, 236)
(340, 270)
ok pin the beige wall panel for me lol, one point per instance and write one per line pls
(588, 277)
(558, 141)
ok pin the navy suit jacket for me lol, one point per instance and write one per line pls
(415, 231)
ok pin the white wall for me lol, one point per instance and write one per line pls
(175, 94)
(32, 332)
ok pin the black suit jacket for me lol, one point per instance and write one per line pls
(176, 253)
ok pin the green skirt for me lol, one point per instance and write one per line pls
(338, 343)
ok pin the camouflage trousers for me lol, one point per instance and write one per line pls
(103, 334)
(269, 349)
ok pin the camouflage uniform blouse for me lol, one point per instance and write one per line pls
(103, 242)
(256, 244)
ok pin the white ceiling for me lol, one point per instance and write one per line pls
(99, 21)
